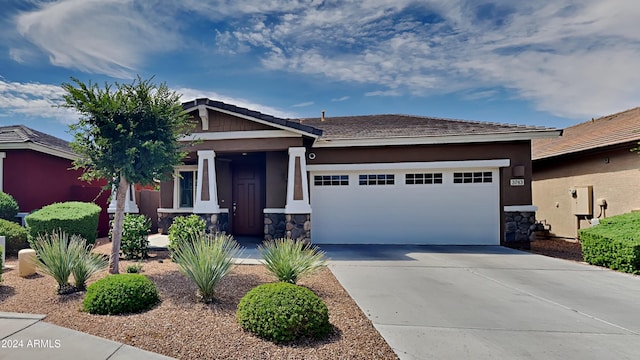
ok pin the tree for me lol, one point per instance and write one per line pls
(127, 134)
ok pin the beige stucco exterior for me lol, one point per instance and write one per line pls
(614, 175)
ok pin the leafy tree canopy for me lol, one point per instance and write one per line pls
(129, 130)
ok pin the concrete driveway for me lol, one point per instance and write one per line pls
(447, 302)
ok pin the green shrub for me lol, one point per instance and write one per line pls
(288, 259)
(185, 228)
(8, 207)
(15, 236)
(283, 312)
(134, 268)
(615, 243)
(135, 237)
(121, 294)
(71, 217)
(206, 260)
(59, 257)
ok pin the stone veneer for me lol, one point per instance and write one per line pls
(216, 223)
(294, 226)
(520, 227)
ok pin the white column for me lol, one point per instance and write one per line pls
(297, 202)
(206, 161)
(2, 156)
(130, 206)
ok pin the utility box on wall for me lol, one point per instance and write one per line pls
(582, 203)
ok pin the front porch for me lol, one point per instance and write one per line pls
(245, 194)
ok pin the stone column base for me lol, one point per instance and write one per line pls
(292, 226)
(519, 228)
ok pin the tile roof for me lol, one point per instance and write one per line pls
(255, 114)
(609, 130)
(20, 134)
(389, 126)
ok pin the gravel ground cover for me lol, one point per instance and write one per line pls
(183, 328)
(558, 248)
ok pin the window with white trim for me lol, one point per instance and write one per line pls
(187, 181)
(377, 179)
(331, 180)
(472, 177)
(423, 178)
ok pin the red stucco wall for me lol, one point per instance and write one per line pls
(37, 179)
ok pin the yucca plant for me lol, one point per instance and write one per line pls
(205, 260)
(60, 256)
(54, 259)
(87, 263)
(289, 259)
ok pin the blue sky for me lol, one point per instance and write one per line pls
(551, 63)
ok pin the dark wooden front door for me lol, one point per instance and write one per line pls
(248, 198)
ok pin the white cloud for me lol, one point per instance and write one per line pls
(568, 57)
(340, 99)
(303, 104)
(573, 58)
(110, 37)
(191, 94)
(34, 100)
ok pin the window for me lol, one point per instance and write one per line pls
(187, 188)
(381, 179)
(331, 180)
(427, 178)
(472, 177)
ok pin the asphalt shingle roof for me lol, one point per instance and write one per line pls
(16, 134)
(391, 125)
(609, 130)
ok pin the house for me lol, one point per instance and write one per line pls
(589, 172)
(35, 168)
(385, 179)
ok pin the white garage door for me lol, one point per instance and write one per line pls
(416, 206)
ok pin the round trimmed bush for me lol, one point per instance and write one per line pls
(8, 206)
(72, 217)
(283, 312)
(15, 236)
(121, 294)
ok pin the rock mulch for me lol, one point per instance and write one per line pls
(183, 328)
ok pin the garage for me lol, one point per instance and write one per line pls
(439, 203)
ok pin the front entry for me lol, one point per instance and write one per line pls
(248, 195)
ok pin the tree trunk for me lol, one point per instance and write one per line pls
(118, 220)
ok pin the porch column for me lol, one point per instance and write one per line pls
(297, 185)
(130, 206)
(206, 199)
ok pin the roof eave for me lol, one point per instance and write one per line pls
(432, 140)
(39, 148)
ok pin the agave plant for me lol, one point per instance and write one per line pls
(205, 260)
(289, 259)
(59, 257)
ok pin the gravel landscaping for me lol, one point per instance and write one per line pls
(183, 328)
(558, 248)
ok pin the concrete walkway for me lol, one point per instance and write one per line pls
(25, 336)
(438, 302)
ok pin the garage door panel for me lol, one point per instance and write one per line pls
(406, 214)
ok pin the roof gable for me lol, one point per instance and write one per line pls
(22, 137)
(619, 128)
(256, 116)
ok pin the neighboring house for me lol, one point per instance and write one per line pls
(588, 172)
(36, 169)
(387, 179)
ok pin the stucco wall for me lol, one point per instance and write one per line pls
(277, 167)
(614, 175)
(518, 152)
